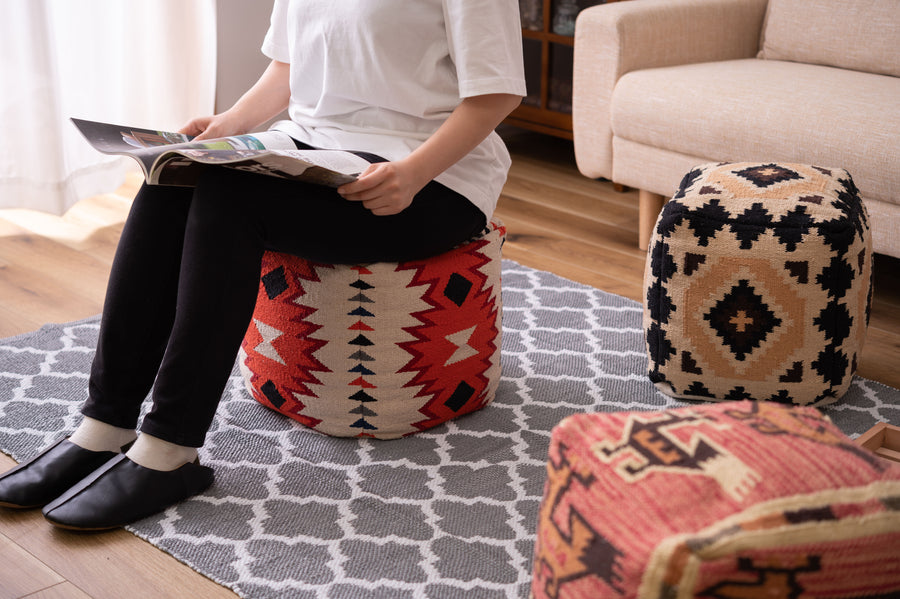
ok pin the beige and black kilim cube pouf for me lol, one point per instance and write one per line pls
(758, 284)
(378, 350)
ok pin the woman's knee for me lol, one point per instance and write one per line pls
(222, 198)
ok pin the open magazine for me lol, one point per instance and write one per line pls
(174, 159)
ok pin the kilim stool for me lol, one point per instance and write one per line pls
(378, 350)
(734, 499)
(758, 284)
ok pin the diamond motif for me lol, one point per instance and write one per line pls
(765, 175)
(270, 390)
(742, 319)
(274, 282)
(708, 291)
(457, 289)
(460, 396)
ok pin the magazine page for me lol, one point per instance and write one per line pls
(322, 167)
(121, 139)
(335, 160)
(146, 145)
(169, 158)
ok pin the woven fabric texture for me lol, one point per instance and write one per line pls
(448, 513)
(741, 110)
(379, 350)
(743, 499)
(759, 284)
(862, 35)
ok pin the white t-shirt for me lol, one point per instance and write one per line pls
(381, 76)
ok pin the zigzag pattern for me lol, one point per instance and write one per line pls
(368, 350)
(281, 291)
(464, 289)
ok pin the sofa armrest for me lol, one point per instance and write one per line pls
(613, 39)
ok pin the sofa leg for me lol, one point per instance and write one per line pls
(650, 204)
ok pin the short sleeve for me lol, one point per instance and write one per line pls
(485, 41)
(275, 44)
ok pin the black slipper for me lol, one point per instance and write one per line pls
(51, 473)
(122, 492)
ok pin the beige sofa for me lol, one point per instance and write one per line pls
(663, 85)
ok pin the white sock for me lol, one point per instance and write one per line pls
(154, 453)
(94, 435)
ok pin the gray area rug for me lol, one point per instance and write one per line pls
(448, 513)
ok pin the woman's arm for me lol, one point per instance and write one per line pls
(265, 100)
(388, 187)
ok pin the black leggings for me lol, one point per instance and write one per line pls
(186, 274)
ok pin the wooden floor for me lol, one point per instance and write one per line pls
(54, 269)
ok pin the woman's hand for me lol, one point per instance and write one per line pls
(385, 188)
(389, 187)
(211, 127)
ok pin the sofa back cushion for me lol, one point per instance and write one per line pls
(863, 35)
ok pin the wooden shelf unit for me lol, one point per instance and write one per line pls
(548, 75)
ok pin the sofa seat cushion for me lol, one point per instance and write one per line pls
(768, 111)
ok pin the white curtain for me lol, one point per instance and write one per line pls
(145, 63)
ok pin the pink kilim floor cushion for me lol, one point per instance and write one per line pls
(378, 350)
(758, 284)
(736, 499)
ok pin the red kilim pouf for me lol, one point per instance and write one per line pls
(740, 499)
(379, 350)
